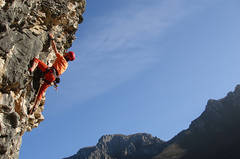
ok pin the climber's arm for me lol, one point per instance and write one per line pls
(53, 44)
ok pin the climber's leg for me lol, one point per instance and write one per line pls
(41, 91)
(43, 88)
(48, 79)
(38, 63)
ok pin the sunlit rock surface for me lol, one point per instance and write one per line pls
(24, 29)
(122, 147)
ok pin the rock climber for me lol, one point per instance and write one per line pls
(51, 74)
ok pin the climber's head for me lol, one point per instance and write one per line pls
(69, 56)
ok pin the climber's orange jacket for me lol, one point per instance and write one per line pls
(60, 64)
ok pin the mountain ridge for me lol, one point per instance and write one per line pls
(214, 134)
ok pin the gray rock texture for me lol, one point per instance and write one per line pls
(24, 29)
(213, 135)
(141, 146)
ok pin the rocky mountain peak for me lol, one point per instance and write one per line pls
(213, 135)
(119, 146)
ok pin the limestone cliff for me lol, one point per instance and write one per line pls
(24, 29)
(214, 135)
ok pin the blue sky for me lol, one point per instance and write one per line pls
(142, 66)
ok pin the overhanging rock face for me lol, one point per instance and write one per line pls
(24, 29)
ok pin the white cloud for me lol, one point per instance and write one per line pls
(117, 47)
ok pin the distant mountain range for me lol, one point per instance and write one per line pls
(213, 135)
